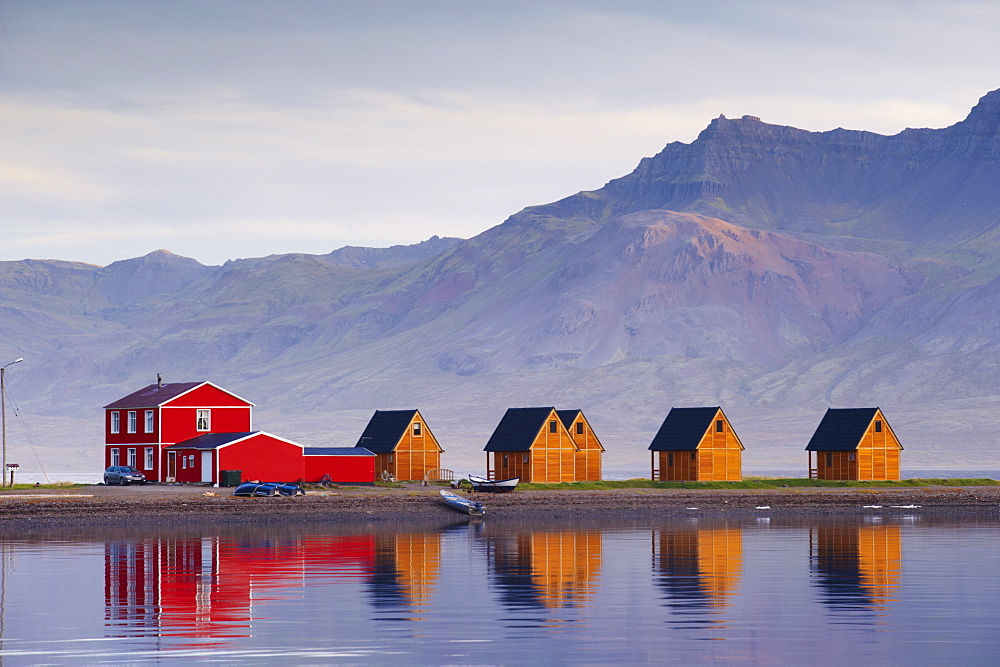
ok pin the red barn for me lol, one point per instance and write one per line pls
(259, 456)
(141, 426)
(344, 465)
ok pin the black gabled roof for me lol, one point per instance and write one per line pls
(683, 429)
(153, 395)
(385, 429)
(568, 416)
(841, 429)
(212, 440)
(517, 430)
(337, 451)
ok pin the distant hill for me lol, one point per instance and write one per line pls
(769, 269)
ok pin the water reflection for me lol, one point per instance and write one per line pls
(405, 572)
(545, 569)
(699, 568)
(857, 567)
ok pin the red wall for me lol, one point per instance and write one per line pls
(350, 469)
(180, 424)
(262, 457)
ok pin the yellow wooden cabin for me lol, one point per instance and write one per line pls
(696, 444)
(403, 445)
(588, 458)
(854, 444)
(533, 444)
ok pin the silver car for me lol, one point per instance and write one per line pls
(123, 475)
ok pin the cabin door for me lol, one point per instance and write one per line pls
(206, 467)
(171, 467)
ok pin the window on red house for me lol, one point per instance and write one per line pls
(116, 422)
(131, 421)
(149, 421)
(204, 420)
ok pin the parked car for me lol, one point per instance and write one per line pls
(123, 475)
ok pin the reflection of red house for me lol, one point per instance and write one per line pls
(140, 426)
(205, 588)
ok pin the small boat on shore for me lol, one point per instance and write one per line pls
(493, 485)
(464, 505)
(265, 489)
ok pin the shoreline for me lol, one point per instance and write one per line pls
(165, 505)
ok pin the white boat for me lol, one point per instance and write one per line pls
(493, 485)
(464, 505)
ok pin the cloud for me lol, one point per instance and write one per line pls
(313, 125)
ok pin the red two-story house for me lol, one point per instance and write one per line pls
(141, 426)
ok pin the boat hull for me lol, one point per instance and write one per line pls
(464, 505)
(493, 485)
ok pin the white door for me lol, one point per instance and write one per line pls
(206, 467)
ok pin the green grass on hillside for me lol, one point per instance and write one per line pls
(751, 483)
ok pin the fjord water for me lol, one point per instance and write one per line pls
(887, 587)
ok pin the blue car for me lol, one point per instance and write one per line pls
(122, 475)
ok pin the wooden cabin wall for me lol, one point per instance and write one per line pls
(719, 456)
(878, 453)
(512, 464)
(416, 454)
(588, 459)
(677, 466)
(553, 455)
(841, 465)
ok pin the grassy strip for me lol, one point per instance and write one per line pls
(751, 483)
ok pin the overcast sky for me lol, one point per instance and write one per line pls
(221, 129)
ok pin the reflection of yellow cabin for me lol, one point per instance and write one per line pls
(588, 456)
(859, 559)
(854, 444)
(407, 567)
(702, 565)
(564, 565)
(403, 445)
(696, 444)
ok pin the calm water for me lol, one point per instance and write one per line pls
(886, 588)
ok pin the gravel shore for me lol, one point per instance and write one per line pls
(179, 504)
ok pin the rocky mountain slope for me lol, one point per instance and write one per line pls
(772, 270)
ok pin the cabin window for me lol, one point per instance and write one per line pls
(525, 459)
(504, 460)
(829, 458)
(579, 428)
(392, 458)
(416, 428)
(149, 458)
(115, 422)
(114, 456)
(670, 458)
(131, 457)
(693, 455)
(552, 427)
(149, 421)
(718, 426)
(204, 420)
(850, 457)
(878, 425)
(131, 421)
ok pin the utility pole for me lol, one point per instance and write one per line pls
(3, 412)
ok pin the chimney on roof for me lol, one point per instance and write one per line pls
(159, 381)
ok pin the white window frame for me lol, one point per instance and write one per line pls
(115, 456)
(418, 430)
(203, 419)
(149, 421)
(150, 458)
(131, 423)
(184, 462)
(116, 421)
(130, 457)
(190, 460)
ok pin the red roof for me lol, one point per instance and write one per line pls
(155, 395)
